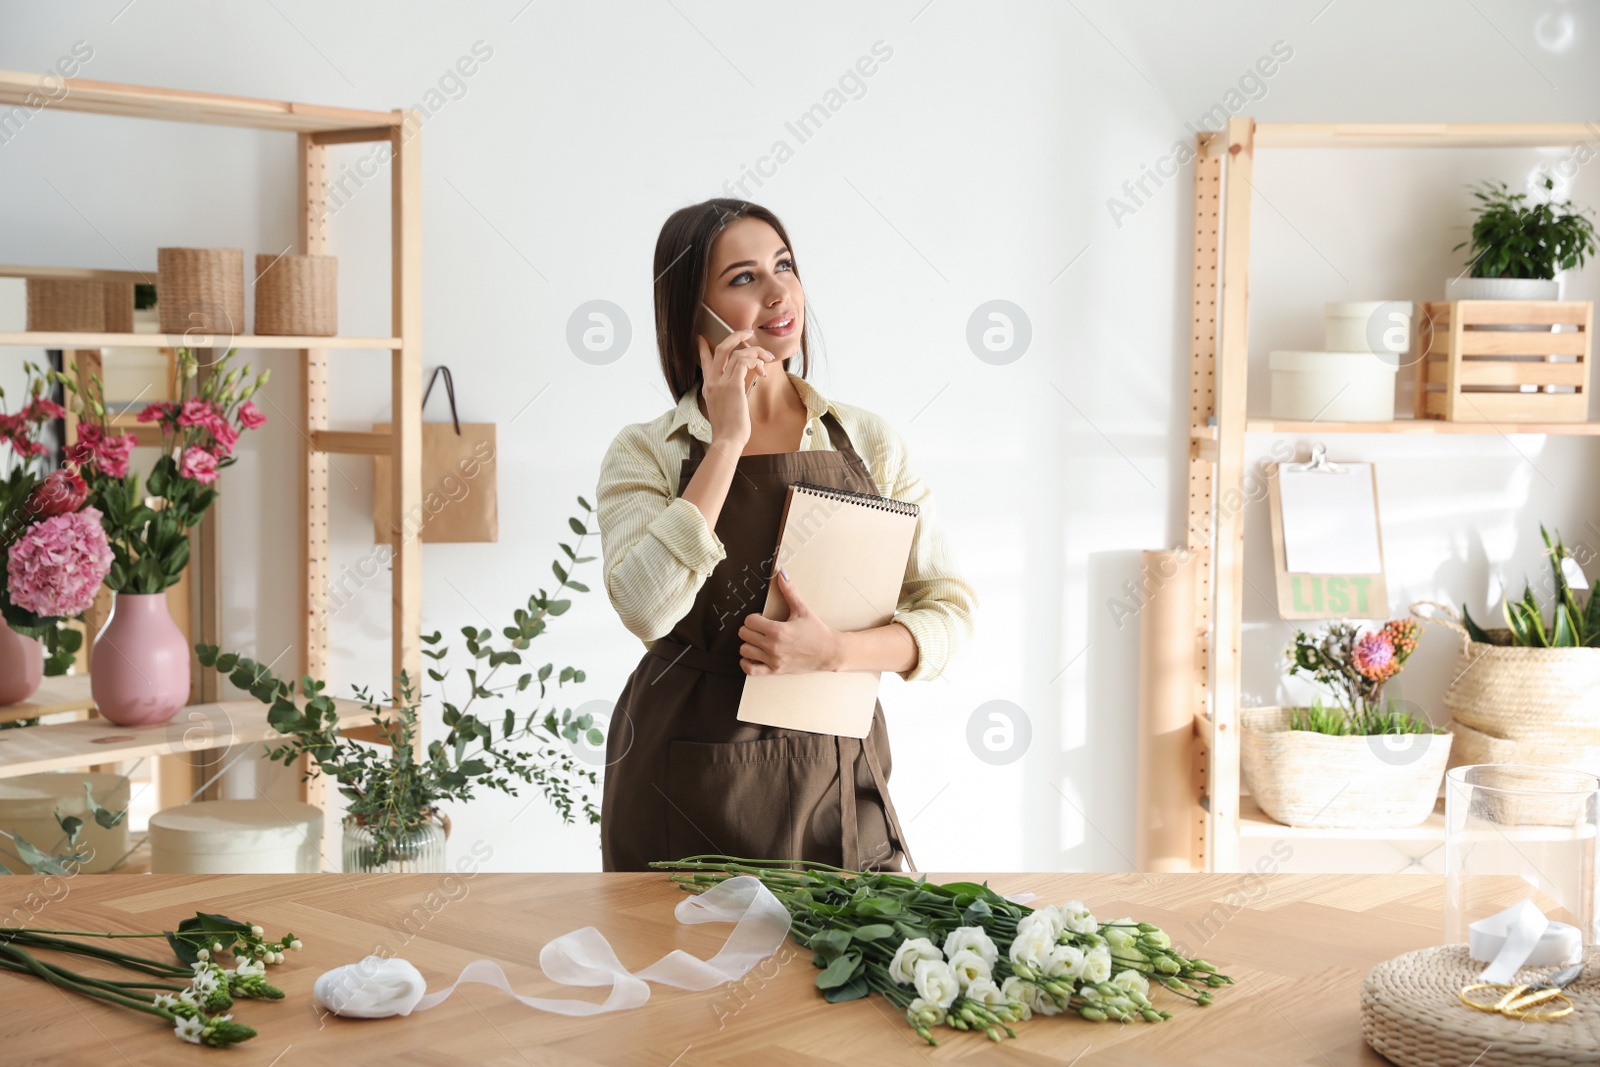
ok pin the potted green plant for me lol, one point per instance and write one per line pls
(1364, 762)
(1526, 692)
(1518, 247)
(395, 819)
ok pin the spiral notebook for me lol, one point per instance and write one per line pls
(847, 553)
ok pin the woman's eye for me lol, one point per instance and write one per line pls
(782, 263)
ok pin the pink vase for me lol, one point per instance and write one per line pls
(139, 667)
(21, 665)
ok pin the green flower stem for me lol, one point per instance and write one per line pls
(141, 963)
(30, 964)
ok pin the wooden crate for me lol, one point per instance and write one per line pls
(1470, 370)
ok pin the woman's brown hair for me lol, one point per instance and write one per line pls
(683, 256)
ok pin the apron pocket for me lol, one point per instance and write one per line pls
(736, 798)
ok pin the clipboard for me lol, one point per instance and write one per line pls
(847, 552)
(1325, 524)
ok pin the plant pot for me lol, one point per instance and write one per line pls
(1502, 289)
(21, 666)
(1333, 386)
(1301, 778)
(139, 667)
(419, 850)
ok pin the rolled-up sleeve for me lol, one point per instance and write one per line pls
(657, 547)
(936, 604)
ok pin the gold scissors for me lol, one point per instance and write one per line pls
(1518, 1001)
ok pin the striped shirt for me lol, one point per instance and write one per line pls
(658, 549)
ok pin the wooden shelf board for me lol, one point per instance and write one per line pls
(67, 340)
(23, 88)
(58, 746)
(1253, 822)
(1420, 134)
(1578, 429)
(69, 692)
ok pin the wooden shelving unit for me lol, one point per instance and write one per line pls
(313, 129)
(1219, 364)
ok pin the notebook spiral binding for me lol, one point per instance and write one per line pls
(871, 500)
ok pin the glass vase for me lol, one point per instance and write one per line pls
(1513, 832)
(417, 850)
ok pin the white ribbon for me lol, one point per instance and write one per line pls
(381, 986)
(1521, 936)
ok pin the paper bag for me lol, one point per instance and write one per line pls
(460, 502)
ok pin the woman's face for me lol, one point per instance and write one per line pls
(751, 284)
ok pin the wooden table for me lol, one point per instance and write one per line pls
(1298, 947)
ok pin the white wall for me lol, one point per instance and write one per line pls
(976, 165)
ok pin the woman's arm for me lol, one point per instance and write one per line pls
(658, 548)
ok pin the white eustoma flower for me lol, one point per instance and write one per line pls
(901, 968)
(972, 937)
(936, 982)
(1032, 946)
(969, 967)
(1064, 961)
(1021, 992)
(189, 1028)
(1159, 938)
(1049, 917)
(1097, 964)
(1078, 918)
(926, 1014)
(985, 992)
(1131, 981)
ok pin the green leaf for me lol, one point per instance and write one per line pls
(1477, 632)
(840, 971)
(107, 819)
(854, 989)
(577, 527)
(873, 932)
(41, 863)
(829, 944)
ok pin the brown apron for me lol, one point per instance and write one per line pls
(683, 775)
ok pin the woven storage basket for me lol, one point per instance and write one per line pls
(1546, 695)
(297, 295)
(118, 307)
(1302, 778)
(1410, 1014)
(58, 305)
(200, 290)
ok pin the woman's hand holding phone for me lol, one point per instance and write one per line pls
(723, 373)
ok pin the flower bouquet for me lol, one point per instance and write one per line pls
(198, 944)
(961, 955)
(56, 551)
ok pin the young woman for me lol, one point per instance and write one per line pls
(688, 506)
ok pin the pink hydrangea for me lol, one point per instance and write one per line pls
(58, 565)
(250, 416)
(198, 464)
(1374, 657)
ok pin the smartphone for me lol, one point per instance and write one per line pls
(712, 328)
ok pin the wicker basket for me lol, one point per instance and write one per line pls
(1550, 696)
(1303, 778)
(297, 296)
(59, 305)
(200, 290)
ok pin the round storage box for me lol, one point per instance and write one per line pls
(1332, 386)
(28, 807)
(200, 290)
(1369, 326)
(237, 837)
(297, 295)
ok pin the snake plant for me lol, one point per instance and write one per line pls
(1572, 627)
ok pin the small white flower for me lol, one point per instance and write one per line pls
(969, 967)
(1048, 916)
(1078, 918)
(1032, 946)
(216, 946)
(165, 1000)
(985, 992)
(1038, 1001)
(1159, 938)
(203, 953)
(189, 1028)
(1065, 961)
(1131, 981)
(247, 968)
(1097, 964)
(295, 944)
(257, 931)
(1015, 989)
(187, 997)
(1121, 937)
(972, 937)
(936, 982)
(925, 1013)
(906, 956)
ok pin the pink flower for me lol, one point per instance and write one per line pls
(42, 409)
(111, 454)
(195, 412)
(250, 416)
(225, 435)
(62, 493)
(199, 465)
(158, 411)
(56, 568)
(1374, 657)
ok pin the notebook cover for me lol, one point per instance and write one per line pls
(847, 553)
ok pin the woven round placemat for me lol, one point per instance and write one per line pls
(1411, 1015)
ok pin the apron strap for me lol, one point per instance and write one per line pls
(850, 829)
(882, 783)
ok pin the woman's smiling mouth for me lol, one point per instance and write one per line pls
(782, 326)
